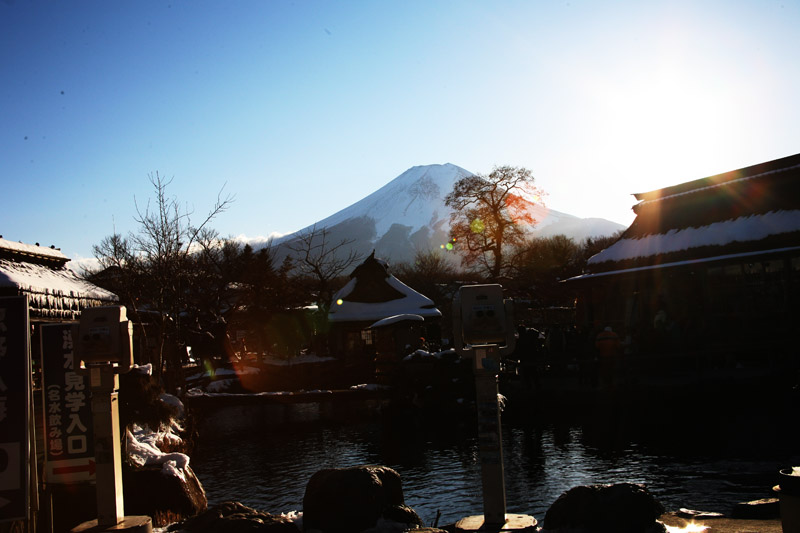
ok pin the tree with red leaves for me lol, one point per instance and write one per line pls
(490, 215)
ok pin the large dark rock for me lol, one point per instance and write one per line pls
(354, 499)
(166, 498)
(234, 517)
(619, 508)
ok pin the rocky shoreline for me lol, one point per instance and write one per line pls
(369, 499)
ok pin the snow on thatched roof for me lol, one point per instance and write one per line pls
(727, 257)
(753, 209)
(727, 232)
(31, 251)
(41, 279)
(373, 294)
(53, 290)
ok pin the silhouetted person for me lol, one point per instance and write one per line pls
(530, 354)
(607, 345)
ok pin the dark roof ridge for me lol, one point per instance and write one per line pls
(734, 176)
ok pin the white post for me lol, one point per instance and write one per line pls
(490, 444)
(108, 453)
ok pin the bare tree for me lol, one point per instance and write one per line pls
(428, 273)
(433, 273)
(316, 257)
(117, 263)
(489, 215)
(594, 245)
(154, 266)
(120, 270)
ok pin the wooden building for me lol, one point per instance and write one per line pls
(55, 293)
(372, 294)
(709, 265)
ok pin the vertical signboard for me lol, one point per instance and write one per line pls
(68, 439)
(15, 378)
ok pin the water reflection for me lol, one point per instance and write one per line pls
(268, 465)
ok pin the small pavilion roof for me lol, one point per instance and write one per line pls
(373, 294)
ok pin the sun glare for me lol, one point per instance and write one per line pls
(664, 126)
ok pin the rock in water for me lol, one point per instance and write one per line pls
(234, 517)
(166, 498)
(354, 499)
(619, 508)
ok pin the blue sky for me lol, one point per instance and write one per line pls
(299, 109)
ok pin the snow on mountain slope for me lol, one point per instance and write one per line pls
(409, 213)
(415, 199)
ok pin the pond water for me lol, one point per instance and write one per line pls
(264, 456)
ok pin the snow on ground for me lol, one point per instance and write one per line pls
(173, 401)
(217, 372)
(221, 385)
(197, 392)
(218, 387)
(143, 369)
(242, 370)
(294, 517)
(143, 450)
(142, 442)
(424, 354)
(369, 387)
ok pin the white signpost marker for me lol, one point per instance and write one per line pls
(483, 329)
(103, 345)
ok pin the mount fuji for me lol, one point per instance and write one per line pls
(409, 214)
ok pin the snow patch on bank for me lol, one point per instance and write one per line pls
(143, 450)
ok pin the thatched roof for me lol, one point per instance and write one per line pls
(54, 291)
(750, 211)
(373, 293)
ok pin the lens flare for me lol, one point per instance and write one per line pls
(449, 246)
(339, 301)
(477, 226)
(248, 376)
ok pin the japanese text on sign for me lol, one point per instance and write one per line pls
(68, 416)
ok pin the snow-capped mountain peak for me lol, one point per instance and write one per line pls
(415, 199)
(409, 214)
